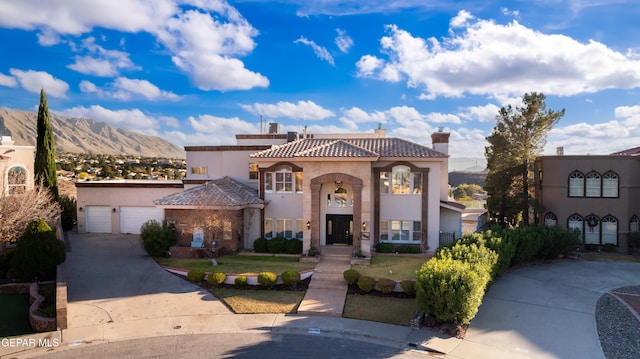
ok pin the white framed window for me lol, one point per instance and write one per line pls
(417, 231)
(299, 177)
(592, 230)
(400, 231)
(634, 224)
(550, 220)
(384, 231)
(16, 180)
(253, 171)
(417, 183)
(593, 184)
(610, 184)
(284, 228)
(576, 184)
(299, 228)
(385, 182)
(401, 181)
(268, 228)
(227, 232)
(576, 222)
(609, 230)
(268, 182)
(198, 170)
(284, 179)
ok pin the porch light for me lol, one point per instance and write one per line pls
(113, 210)
(80, 209)
(308, 224)
(364, 226)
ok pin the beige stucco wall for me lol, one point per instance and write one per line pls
(115, 197)
(234, 164)
(22, 156)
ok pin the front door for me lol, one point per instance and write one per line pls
(339, 229)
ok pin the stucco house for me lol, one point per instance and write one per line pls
(598, 195)
(16, 166)
(351, 190)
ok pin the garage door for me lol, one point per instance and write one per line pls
(132, 218)
(98, 219)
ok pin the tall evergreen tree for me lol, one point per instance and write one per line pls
(45, 161)
(518, 137)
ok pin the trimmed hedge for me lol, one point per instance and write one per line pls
(351, 276)
(267, 279)
(157, 237)
(384, 247)
(216, 278)
(293, 246)
(240, 281)
(260, 245)
(408, 287)
(37, 253)
(386, 285)
(290, 277)
(195, 275)
(366, 283)
(276, 245)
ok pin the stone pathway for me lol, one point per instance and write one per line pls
(328, 290)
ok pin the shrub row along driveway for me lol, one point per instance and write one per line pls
(111, 279)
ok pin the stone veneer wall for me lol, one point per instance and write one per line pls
(38, 323)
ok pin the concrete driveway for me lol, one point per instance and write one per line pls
(111, 279)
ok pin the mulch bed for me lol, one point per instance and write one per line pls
(300, 287)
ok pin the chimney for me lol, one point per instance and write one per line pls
(560, 151)
(380, 132)
(274, 128)
(292, 136)
(440, 141)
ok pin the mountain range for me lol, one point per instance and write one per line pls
(80, 135)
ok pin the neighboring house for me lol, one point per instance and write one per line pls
(598, 195)
(16, 166)
(357, 189)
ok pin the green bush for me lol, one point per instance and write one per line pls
(478, 256)
(267, 279)
(351, 276)
(37, 253)
(529, 241)
(276, 245)
(293, 246)
(69, 215)
(609, 247)
(260, 245)
(366, 283)
(384, 247)
(450, 290)
(5, 264)
(408, 249)
(157, 237)
(386, 285)
(558, 241)
(408, 287)
(291, 277)
(216, 278)
(240, 281)
(195, 275)
(591, 247)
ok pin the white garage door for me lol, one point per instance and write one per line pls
(98, 219)
(132, 218)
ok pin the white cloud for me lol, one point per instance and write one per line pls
(144, 88)
(354, 116)
(506, 12)
(88, 87)
(320, 51)
(462, 19)
(203, 38)
(170, 121)
(486, 113)
(302, 110)
(343, 41)
(627, 111)
(100, 61)
(34, 81)
(8, 81)
(486, 58)
(437, 117)
(133, 119)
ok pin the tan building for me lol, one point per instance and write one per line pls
(16, 166)
(598, 195)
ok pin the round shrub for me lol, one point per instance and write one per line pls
(408, 287)
(276, 245)
(240, 281)
(37, 253)
(267, 279)
(366, 283)
(386, 285)
(157, 237)
(216, 278)
(291, 277)
(195, 275)
(351, 276)
(260, 245)
(293, 246)
(384, 247)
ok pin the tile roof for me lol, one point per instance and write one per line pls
(628, 152)
(223, 192)
(350, 148)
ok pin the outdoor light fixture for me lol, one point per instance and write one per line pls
(308, 224)
(113, 210)
(364, 226)
(80, 209)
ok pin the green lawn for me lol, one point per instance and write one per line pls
(393, 267)
(243, 301)
(380, 309)
(14, 311)
(239, 264)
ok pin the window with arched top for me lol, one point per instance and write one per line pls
(576, 221)
(634, 224)
(610, 184)
(592, 229)
(550, 219)
(593, 184)
(401, 180)
(284, 179)
(576, 184)
(609, 230)
(16, 180)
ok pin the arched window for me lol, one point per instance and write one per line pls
(16, 180)
(400, 179)
(610, 184)
(594, 183)
(550, 219)
(592, 230)
(284, 179)
(609, 230)
(634, 224)
(576, 184)
(576, 222)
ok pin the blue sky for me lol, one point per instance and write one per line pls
(196, 72)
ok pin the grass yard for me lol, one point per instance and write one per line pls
(239, 264)
(380, 309)
(393, 267)
(608, 257)
(243, 301)
(14, 311)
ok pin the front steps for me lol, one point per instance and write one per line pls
(328, 289)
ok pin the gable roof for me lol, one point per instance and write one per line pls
(628, 152)
(365, 148)
(223, 193)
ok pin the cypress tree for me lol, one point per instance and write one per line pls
(45, 162)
